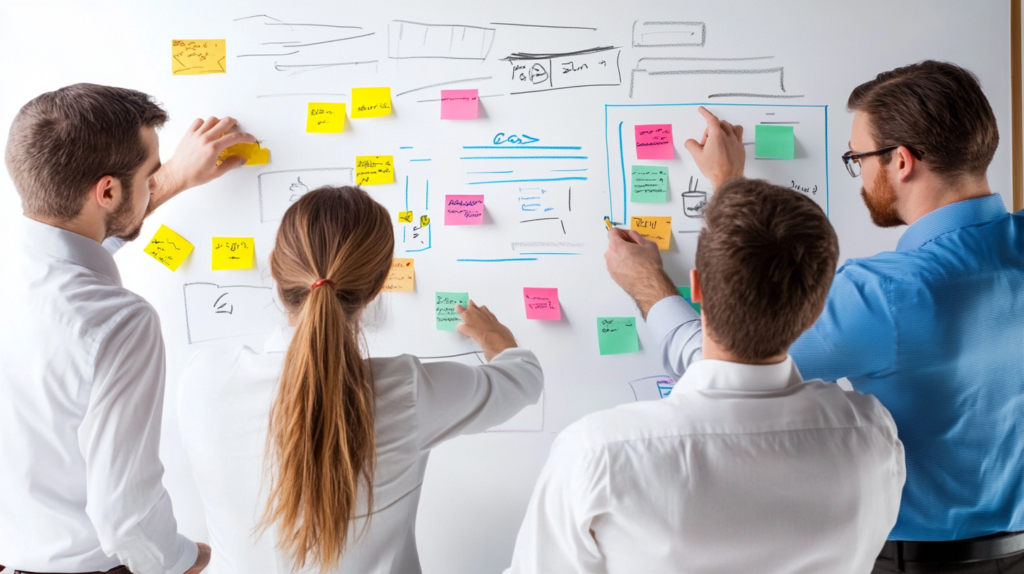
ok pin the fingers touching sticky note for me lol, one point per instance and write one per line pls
(463, 210)
(774, 142)
(542, 304)
(444, 308)
(459, 104)
(233, 253)
(654, 142)
(650, 184)
(656, 229)
(375, 169)
(252, 152)
(617, 335)
(168, 248)
(371, 102)
(402, 277)
(325, 118)
(197, 57)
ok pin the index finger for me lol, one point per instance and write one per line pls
(229, 140)
(221, 127)
(711, 118)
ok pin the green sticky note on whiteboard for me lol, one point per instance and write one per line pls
(684, 292)
(617, 335)
(650, 184)
(444, 307)
(774, 142)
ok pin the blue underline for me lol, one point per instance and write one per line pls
(584, 169)
(527, 157)
(419, 160)
(528, 180)
(498, 260)
(509, 171)
(524, 147)
(551, 254)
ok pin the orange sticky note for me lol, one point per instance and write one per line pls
(197, 57)
(233, 253)
(168, 248)
(252, 152)
(402, 277)
(657, 229)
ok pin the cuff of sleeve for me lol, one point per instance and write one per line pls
(667, 315)
(188, 556)
(113, 244)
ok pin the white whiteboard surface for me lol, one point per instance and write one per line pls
(632, 63)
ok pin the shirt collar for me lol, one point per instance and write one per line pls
(709, 374)
(950, 218)
(279, 340)
(71, 247)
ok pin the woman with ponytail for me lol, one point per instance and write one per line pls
(309, 456)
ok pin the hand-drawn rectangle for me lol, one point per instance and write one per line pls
(278, 190)
(668, 34)
(222, 311)
(585, 68)
(447, 41)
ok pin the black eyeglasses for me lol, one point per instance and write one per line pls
(852, 160)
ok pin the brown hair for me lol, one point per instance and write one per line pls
(933, 108)
(766, 257)
(321, 447)
(62, 142)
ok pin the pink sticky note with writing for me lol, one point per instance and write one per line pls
(654, 142)
(542, 304)
(463, 210)
(459, 104)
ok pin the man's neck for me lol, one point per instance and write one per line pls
(934, 193)
(713, 351)
(77, 225)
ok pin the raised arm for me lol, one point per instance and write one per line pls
(719, 154)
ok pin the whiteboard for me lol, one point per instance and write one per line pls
(627, 64)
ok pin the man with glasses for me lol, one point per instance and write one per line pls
(934, 330)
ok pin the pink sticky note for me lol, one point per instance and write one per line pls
(654, 142)
(463, 210)
(542, 304)
(459, 104)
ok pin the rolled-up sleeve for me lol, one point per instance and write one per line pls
(677, 328)
(120, 442)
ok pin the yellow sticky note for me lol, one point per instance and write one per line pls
(371, 102)
(424, 221)
(375, 169)
(402, 277)
(405, 217)
(168, 248)
(657, 229)
(325, 118)
(197, 57)
(252, 152)
(233, 253)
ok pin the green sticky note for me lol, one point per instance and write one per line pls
(617, 335)
(685, 293)
(774, 142)
(650, 184)
(447, 316)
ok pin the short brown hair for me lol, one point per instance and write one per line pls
(766, 257)
(63, 142)
(935, 108)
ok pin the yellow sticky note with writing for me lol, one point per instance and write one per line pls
(197, 57)
(375, 169)
(168, 248)
(657, 229)
(424, 221)
(371, 102)
(325, 118)
(405, 217)
(252, 152)
(233, 253)
(402, 277)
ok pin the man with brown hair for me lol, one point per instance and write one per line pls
(933, 329)
(745, 467)
(82, 358)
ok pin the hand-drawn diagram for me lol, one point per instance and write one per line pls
(318, 42)
(652, 388)
(409, 40)
(544, 209)
(546, 72)
(694, 200)
(713, 77)
(278, 190)
(222, 311)
(668, 34)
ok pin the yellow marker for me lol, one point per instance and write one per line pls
(371, 102)
(197, 57)
(657, 229)
(325, 118)
(168, 248)
(375, 169)
(608, 222)
(252, 152)
(233, 253)
(405, 217)
(402, 277)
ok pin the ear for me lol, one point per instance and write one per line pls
(106, 192)
(695, 293)
(904, 162)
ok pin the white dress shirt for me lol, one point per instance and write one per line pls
(82, 383)
(742, 468)
(225, 401)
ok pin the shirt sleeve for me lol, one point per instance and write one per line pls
(120, 441)
(678, 330)
(113, 244)
(454, 399)
(856, 333)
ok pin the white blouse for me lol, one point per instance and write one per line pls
(225, 401)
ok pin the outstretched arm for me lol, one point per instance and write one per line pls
(719, 154)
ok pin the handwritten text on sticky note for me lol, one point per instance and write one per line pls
(375, 169)
(252, 152)
(168, 248)
(459, 104)
(325, 118)
(402, 277)
(405, 217)
(617, 335)
(444, 307)
(542, 304)
(656, 229)
(650, 184)
(654, 142)
(463, 209)
(196, 57)
(371, 102)
(233, 253)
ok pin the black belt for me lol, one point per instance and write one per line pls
(989, 547)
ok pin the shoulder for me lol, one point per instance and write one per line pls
(623, 423)
(212, 369)
(392, 374)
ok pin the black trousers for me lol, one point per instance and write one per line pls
(1007, 565)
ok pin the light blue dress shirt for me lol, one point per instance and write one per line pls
(935, 331)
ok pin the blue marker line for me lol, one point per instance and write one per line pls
(545, 253)
(529, 180)
(527, 157)
(523, 147)
(407, 193)
(420, 160)
(403, 234)
(826, 163)
(608, 164)
(470, 172)
(430, 242)
(406, 147)
(499, 260)
(426, 204)
(584, 169)
(622, 161)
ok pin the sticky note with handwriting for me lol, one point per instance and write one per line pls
(650, 184)
(375, 169)
(252, 152)
(657, 229)
(325, 118)
(233, 253)
(617, 335)
(424, 221)
(684, 292)
(774, 142)
(168, 248)
(405, 217)
(654, 141)
(542, 304)
(197, 57)
(463, 209)
(371, 102)
(444, 308)
(402, 277)
(459, 104)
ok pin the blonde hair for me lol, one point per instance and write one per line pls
(321, 447)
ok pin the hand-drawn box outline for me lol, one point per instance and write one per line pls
(658, 378)
(723, 71)
(452, 26)
(549, 57)
(259, 181)
(184, 291)
(641, 44)
(622, 156)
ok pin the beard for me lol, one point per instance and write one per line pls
(120, 223)
(881, 202)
